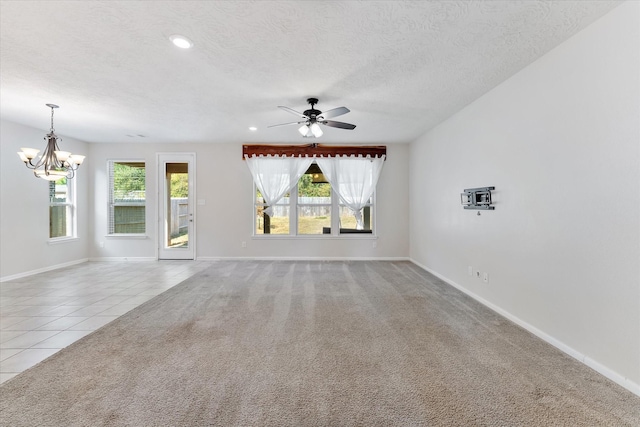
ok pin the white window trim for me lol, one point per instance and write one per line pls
(109, 189)
(314, 237)
(60, 240)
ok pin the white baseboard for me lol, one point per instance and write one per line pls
(596, 366)
(122, 259)
(42, 270)
(303, 259)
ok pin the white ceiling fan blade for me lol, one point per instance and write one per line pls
(287, 124)
(292, 111)
(334, 112)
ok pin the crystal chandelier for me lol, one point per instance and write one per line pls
(53, 164)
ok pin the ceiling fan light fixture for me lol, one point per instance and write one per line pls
(313, 118)
(304, 130)
(315, 130)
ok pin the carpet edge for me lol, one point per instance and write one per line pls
(608, 373)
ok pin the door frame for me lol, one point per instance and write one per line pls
(161, 160)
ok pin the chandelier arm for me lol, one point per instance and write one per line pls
(30, 164)
(49, 160)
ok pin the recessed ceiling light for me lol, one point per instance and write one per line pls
(181, 41)
(253, 128)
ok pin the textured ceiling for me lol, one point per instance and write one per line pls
(401, 67)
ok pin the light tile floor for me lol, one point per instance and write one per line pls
(43, 313)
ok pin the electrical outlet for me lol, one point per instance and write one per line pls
(244, 244)
(101, 244)
(485, 277)
(470, 271)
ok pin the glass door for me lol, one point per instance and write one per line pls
(177, 221)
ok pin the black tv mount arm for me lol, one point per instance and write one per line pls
(477, 198)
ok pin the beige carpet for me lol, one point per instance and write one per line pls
(313, 344)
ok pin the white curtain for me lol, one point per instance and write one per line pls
(353, 178)
(275, 176)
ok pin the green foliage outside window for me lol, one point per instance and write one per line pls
(128, 178)
(306, 187)
(179, 185)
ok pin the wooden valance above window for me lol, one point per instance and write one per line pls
(312, 150)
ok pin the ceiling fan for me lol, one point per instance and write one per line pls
(312, 118)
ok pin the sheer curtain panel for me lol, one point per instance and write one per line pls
(353, 178)
(275, 176)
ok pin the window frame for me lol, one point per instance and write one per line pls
(71, 218)
(371, 205)
(110, 232)
(263, 205)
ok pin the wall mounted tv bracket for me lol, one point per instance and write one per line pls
(477, 198)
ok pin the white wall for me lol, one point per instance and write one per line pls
(24, 207)
(560, 142)
(225, 221)
(222, 179)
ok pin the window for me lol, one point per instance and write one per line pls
(62, 209)
(348, 221)
(127, 197)
(314, 202)
(278, 222)
(313, 208)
